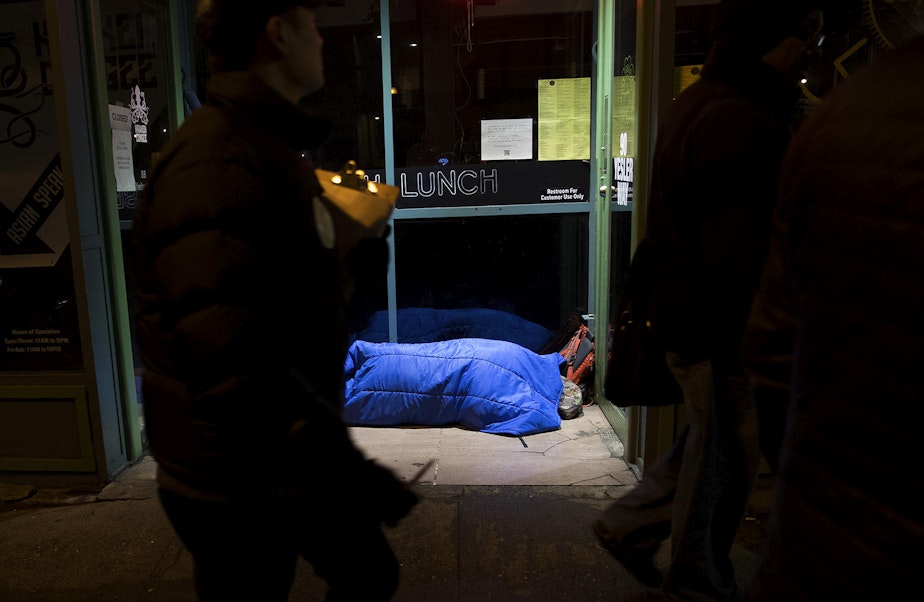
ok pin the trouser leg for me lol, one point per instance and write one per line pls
(351, 553)
(641, 518)
(718, 474)
(239, 551)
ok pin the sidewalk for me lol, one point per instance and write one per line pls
(461, 542)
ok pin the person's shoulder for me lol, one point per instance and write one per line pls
(729, 117)
(707, 97)
(210, 134)
(208, 123)
(689, 103)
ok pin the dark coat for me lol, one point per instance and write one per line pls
(842, 305)
(235, 292)
(714, 181)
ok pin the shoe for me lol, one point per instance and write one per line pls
(637, 561)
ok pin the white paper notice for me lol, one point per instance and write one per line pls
(564, 119)
(120, 120)
(506, 139)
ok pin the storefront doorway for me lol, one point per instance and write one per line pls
(518, 130)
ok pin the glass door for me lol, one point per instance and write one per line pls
(617, 135)
(140, 96)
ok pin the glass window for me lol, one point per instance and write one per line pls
(533, 266)
(139, 91)
(351, 100)
(491, 107)
(352, 94)
(457, 64)
(501, 88)
(38, 310)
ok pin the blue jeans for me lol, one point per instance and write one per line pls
(699, 490)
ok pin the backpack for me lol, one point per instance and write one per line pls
(579, 356)
(575, 342)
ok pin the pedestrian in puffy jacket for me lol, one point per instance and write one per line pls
(241, 325)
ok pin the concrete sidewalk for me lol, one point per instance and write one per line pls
(460, 543)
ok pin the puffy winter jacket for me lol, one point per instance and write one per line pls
(236, 294)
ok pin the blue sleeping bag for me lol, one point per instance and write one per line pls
(485, 385)
(426, 325)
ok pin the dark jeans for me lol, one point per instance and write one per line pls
(698, 492)
(247, 550)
